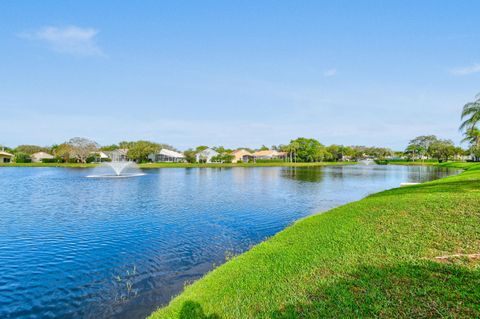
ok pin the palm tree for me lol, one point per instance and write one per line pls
(472, 136)
(471, 114)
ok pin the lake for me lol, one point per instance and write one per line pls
(74, 247)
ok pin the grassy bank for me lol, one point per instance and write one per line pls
(69, 165)
(378, 257)
(180, 165)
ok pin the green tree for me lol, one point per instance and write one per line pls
(442, 150)
(109, 147)
(308, 150)
(200, 148)
(471, 115)
(21, 157)
(62, 151)
(139, 150)
(472, 136)
(420, 145)
(190, 155)
(30, 149)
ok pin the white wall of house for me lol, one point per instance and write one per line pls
(39, 156)
(206, 155)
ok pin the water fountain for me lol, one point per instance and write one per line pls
(116, 170)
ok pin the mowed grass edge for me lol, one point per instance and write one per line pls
(377, 257)
(182, 165)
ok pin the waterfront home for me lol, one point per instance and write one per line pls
(100, 156)
(40, 156)
(206, 155)
(168, 156)
(269, 155)
(5, 157)
(118, 155)
(242, 156)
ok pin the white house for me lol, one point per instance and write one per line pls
(167, 156)
(40, 156)
(206, 155)
(118, 155)
(5, 157)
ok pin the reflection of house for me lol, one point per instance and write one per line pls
(40, 156)
(206, 155)
(167, 156)
(117, 155)
(269, 155)
(5, 157)
(242, 156)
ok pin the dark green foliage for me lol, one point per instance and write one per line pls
(21, 157)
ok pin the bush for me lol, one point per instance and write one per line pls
(22, 158)
(273, 160)
(52, 160)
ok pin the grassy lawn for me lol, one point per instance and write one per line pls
(371, 258)
(70, 165)
(179, 165)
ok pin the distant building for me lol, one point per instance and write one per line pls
(40, 156)
(100, 156)
(242, 156)
(118, 155)
(269, 155)
(5, 157)
(206, 155)
(168, 156)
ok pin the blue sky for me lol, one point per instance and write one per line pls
(236, 73)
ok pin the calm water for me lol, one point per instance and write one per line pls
(74, 247)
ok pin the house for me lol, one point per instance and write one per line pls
(118, 155)
(5, 157)
(40, 156)
(206, 155)
(269, 155)
(242, 156)
(167, 156)
(100, 156)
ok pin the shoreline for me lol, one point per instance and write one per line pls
(389, 237)
(182, 165)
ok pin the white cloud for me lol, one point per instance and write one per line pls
(475, 68)
(69, 40)
(330, 72)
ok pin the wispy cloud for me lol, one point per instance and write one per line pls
(330, 72)
(68, 40)
(475, 68)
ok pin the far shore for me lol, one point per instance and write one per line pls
(181, 165)
(227, 165)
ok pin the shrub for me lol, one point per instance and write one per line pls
(21, 157)
(273, 160)
(52, 160)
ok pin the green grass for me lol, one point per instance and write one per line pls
(180, 165)
(371, 258)
(69, 165)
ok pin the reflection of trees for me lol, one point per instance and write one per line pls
(303, 174)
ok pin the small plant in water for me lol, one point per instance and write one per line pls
(126, 291)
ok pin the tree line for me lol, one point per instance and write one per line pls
(302, 149)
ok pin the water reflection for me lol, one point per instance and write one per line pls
(306, 174)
